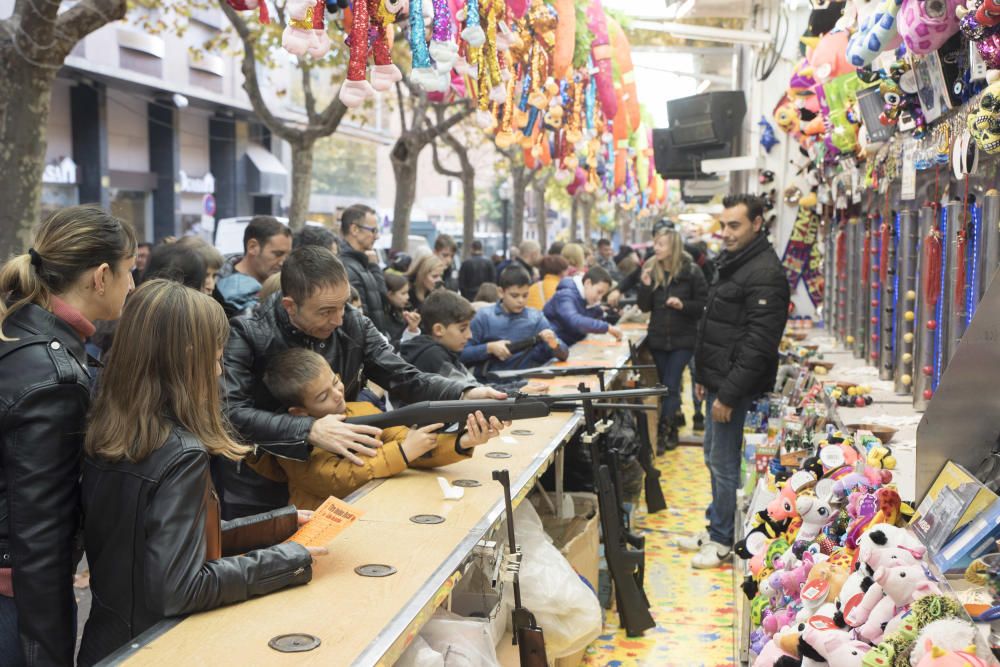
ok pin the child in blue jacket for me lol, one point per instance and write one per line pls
(575, 309)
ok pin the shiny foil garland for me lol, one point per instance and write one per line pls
(358, 65)
(418, 38)
(442, 21)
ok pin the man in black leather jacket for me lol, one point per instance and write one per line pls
(736, 359)
(359, 227)
(311, 311)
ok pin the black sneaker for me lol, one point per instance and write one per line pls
(699, 422)
(679, 419)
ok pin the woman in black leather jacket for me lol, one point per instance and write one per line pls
(673, 290)
(78, 270)
(154, 540)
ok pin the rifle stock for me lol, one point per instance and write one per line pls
(543, 372)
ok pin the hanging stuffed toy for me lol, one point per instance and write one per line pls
(623, 59)
(443, 48)
(600, 51)
(306, 29)
(984, 121)
(423, 73)
(473, 34)
(767, 138)
(371, 18)
(250, 5)
(562, 58)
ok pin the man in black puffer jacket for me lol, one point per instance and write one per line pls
(359, 227)
(736, 359)
(312, 312)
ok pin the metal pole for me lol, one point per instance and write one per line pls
(505, 215)
(847, 288)
(954, 302)
(886, 305)
(859, 291)
(906, 300)
(830, 282)
(990, 252)
(923, 351)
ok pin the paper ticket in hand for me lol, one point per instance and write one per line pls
(329, 520)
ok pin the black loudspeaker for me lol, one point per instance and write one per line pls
(683, 162)
(709, 119)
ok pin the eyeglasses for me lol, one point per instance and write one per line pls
(664, 225)
(371, 230)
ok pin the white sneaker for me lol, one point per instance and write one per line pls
(711, 555)
(693, 542)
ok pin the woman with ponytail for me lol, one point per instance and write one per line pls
(77, 271)
(673, 289)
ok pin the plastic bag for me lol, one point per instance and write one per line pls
(565, 607)
(448, 640)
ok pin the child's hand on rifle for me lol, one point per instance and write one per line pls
(616, 332)
(549, 337)
(479, 430)
(419, 441)
(499, 349)
(535, 388)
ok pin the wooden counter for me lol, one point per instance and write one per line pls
(367, 621)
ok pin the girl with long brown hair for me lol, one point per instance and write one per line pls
(77, 271)
(673, 290)
(153, 535)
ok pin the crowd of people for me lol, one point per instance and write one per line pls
(148, 420)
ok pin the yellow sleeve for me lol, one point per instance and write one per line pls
(266, 466)
(535, 297)
(445, 453)
(326, 474)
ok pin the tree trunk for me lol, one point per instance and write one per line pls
(24, 114)
(588, 210)
(468, 212)
(574, 217)
(404, 166)
(540, 213)
(302, 163)
(625, 227)
(519, 183)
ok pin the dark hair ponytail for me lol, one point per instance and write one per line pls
(73, 240)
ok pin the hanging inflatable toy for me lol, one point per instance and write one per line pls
(829, 59)
(926, 26)
(423, 73)
(473, 34)
(767, 138)
(600, 52)
(880, 32)
(984, 122)
(443, 49)
(562, 57)
(623, 59)
(370, 20)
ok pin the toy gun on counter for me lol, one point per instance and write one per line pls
(523, 406)
(527, 636)
(545, 372)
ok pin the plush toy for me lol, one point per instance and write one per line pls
(764, 528)
(771, 653)
(884, 535)
(250, 5)
(984, 121)
(876, 34)
(816, 511)
(835, 646)
(858, 614)
(829, 59)
(902, 585)
(306, 29)
(949, 634)
(443, 48)
(370, 21)
(938, 657)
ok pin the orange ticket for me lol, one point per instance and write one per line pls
(330, 519)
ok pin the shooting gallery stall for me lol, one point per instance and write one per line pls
(426, 541)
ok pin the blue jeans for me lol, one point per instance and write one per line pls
(723, 453)
(670, 367)
(10, 638)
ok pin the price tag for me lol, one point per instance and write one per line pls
(908, 190)
(822, 623)
(815, 591)
(329, 520)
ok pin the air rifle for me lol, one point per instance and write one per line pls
(527, 636)
(524, 406)
(543, 372)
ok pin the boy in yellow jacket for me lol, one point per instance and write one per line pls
(303, 381)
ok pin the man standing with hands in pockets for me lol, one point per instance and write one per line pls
(736, 360)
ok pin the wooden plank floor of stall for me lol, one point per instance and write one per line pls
(363, 620)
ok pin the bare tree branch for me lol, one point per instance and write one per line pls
(402, 111)
(82, 19)
(307, 90)
(251, 85)
(439, 167)
(432, 133)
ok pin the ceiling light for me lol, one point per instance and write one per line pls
(690, 31)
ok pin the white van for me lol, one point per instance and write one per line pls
(229, 233)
